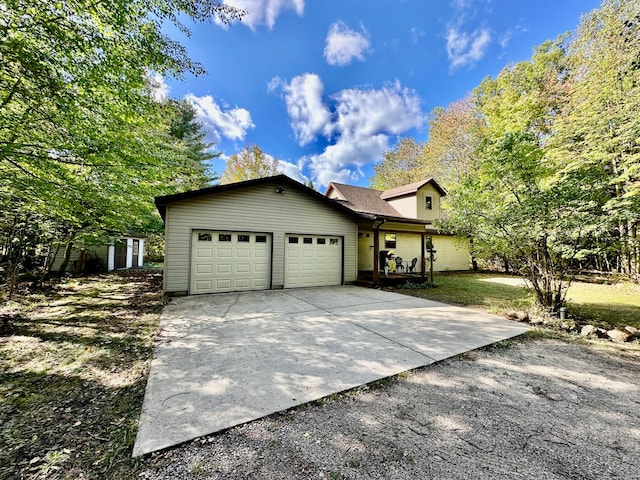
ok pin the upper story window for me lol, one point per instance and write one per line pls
(428, 203)
(389, 240)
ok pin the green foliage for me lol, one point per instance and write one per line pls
(249, 164)
(542, 162)
(402, 165)
(84, 148)
(597, 140)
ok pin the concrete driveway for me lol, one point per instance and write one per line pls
(222, 360)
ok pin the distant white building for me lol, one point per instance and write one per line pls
(127, 252)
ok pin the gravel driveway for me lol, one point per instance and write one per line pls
(540, 409)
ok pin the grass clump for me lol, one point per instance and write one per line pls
(417, 286)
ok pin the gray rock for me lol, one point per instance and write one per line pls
(588, 330)
(618, 335)
(633, 331)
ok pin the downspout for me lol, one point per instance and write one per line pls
(376, 250)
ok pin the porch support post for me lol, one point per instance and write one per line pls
(376, 253)
(422, 260)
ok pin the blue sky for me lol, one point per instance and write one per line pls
(327, 86)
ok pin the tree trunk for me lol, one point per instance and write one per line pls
(67, 256)
(634, 252)
(474, 262)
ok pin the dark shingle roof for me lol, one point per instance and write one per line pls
(364, 200)
(411, 188)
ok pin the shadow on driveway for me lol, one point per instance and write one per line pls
(227, 359)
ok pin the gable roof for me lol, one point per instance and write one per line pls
(363, 200)
(369, 201)
(162, 201)
(411, 188)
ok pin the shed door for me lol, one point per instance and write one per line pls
(312, 261)
(120, 255)
(230, 261)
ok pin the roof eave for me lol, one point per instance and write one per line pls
(161, 202)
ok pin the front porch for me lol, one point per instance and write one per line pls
(366, 279)
(403, 248)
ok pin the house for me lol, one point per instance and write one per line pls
(275, 232)
(126, 252)
(401, 220)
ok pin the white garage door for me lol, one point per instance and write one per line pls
(230, 261)
(312, 261)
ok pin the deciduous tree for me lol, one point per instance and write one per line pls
(403, 164)
(83, 145)
(597, 139)
(249, 164)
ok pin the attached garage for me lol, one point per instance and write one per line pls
(224, 261)
(260, 234)
(312, 261)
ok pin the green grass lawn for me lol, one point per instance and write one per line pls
(617, 304)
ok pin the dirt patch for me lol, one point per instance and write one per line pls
(535, 408)
(73, 370)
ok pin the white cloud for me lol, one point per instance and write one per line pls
(292, 170)
(231, 123)
(343, 160)
(158, 89)
(265, 12)
(508, 35)
(343, 45)
(465, 45)
(307, 112)
(392, 109)
(359, 126)
(466, 48)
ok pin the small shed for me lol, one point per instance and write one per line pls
(126, 252)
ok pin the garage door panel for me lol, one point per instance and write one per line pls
(204, 252)
(243, 268)
(230, 261)
(224, 268)
(224, 252)
(261, 268)
(203, 284)
(203, 269)
(314, 260)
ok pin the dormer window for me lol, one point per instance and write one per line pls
(428, 203)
